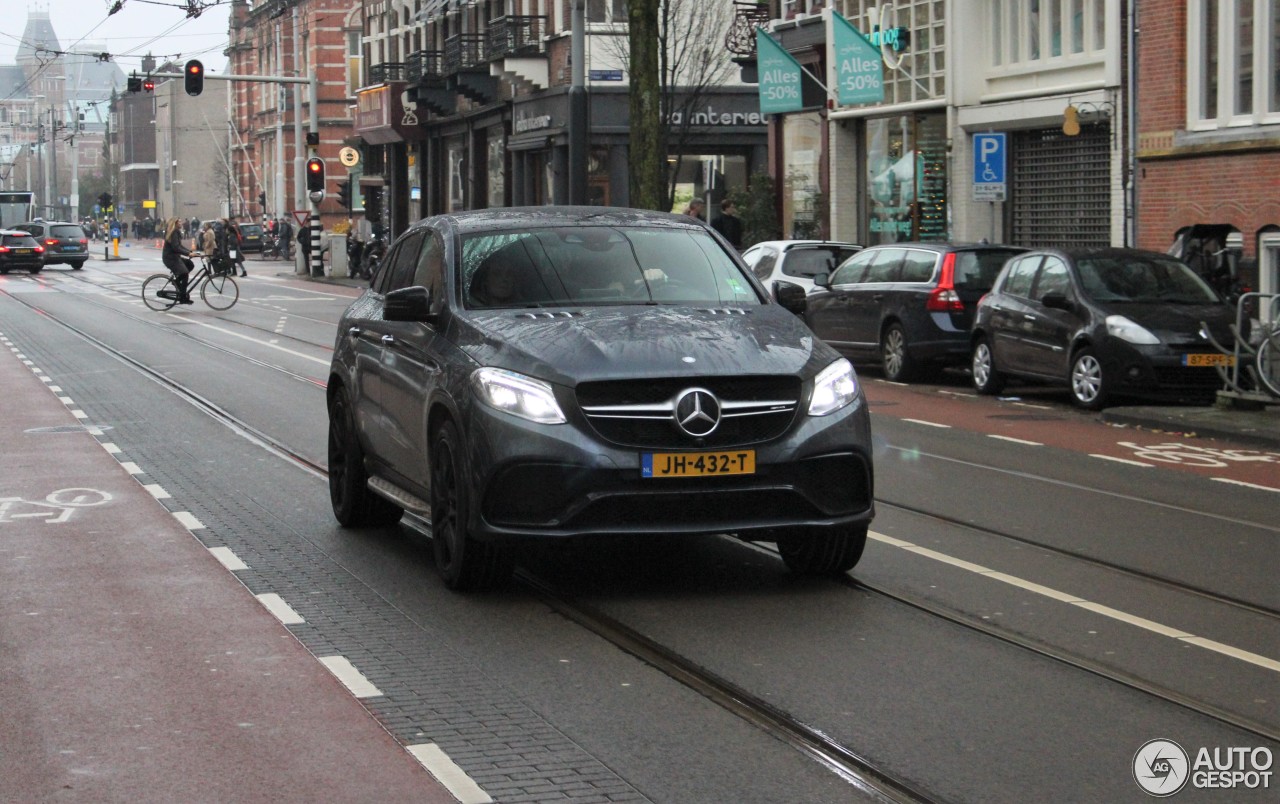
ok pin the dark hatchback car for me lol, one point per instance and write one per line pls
(550, 373)
(251, 237)
(19, 251)
(1104, 323)
(907, 305)
(64, 243)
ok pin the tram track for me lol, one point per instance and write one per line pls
(858, 771)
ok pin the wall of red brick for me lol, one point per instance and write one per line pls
(1162, 66)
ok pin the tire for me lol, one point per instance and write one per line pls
(353, 503)
(151, 290)
(898, 366)
(1268, 363)
(824, 552)
(36, 270)
(1088, 383)
(464, 563)
(986, 379)
(220, 292)
(77, 265)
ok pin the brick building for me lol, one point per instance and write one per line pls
(288, 38)
(1209, 126)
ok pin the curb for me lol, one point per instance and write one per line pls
(1257, 428)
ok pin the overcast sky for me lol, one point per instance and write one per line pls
(159, 26)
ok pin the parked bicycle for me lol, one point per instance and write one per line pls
(217, 288)
(273, 248)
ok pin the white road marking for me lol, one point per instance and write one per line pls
(1015, 440)
(188, 520)
(929, 424)
(1075, 600)
(350, 677)
(1120, 460)
(111, 447)
(131, 467)
(79, 414)
(447, 772)
(225, 331)
(156, 490)
(282, 610)
(227, 558)
(1242, 483)
(66, 400)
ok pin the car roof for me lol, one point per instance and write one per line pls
(947, 247)
(790, 244)
(15, 232)
(1076, 252)
(502, 218)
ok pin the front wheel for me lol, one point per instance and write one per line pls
(159, 292)
(220, 292)
(986, 380)
(464, 563)
(1089, 388)
(824, 551)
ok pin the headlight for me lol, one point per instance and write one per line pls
(1120, 327)
(518, 395)
(835, 386)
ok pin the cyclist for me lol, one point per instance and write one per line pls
(176, 257)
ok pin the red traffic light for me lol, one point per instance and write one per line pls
(315, 174)
(148, 85)
(193, 77)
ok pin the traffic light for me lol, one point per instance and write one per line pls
(148, 84)
(344, 194)
(195, 77)
(135, 83)
(105, 200)
(315, 174)
(262, 199)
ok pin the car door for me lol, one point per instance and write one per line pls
(1049, 330)
(868, 294)
(1008, 323)
(412, 362)
(826, 312)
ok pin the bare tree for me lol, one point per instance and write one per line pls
(646, 171)
(691, 63)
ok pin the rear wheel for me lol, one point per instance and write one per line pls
(898, 365)
(1089, 387)
(36, 269)
(824, 551)
(986, 380)
(353, 503)
(159, 292)
(465, 564)
(77, 265)
(220, 292)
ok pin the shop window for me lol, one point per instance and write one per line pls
(906, 179)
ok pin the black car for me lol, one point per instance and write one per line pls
(19, 251)
(1104, 323)
(64, 243)
(548, 373)
(251, 237)
(907, 305)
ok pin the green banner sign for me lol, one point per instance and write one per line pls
(859, 72)
(779, 77)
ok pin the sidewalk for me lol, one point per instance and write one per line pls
(133, 665)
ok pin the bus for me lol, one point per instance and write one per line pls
(16, 207)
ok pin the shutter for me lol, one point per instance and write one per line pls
(1061, 190)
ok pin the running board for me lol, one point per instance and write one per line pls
(402, 498)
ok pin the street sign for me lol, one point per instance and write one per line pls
(349, 157)
(302, 216)
(989, 157)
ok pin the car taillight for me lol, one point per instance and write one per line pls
(4, 249)
(39, 249)
(943, 298)
(51, 242)
(84, 241)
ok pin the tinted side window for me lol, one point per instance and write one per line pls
(1021, 273)
(765, 259)
(809, 262)
(1053, 279)
(918, 266)
(853, 268)
(404, 263)
(430, 269)
(884, 268)
(977, 270)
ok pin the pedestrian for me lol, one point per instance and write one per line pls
(304, 243)
(694, 209)
(207, 242)
(235, 245)
(728, 224)
(285, 231)
(175, 257)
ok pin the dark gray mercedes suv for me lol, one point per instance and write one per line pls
(555, 372)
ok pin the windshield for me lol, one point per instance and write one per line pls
(1142, 278)
(809, 262)
(599, 265)
(67, 231)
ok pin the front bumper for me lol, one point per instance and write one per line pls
(561, 481)
(1157, 372)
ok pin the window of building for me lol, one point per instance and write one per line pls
(1027, 34)
(614, 11)
(1233, 63)
(906, 178)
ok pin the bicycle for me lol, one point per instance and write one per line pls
(217, 288)
(1267, 361)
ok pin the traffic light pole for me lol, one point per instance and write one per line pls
(313, 224)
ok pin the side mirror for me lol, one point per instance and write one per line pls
(408, 304)
(1057, 301)
(822, 280)
(790, 296)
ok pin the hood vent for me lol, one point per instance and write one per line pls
(562, 314)
(722, 310)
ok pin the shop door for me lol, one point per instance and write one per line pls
(1061, 188)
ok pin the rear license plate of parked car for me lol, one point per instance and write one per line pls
(1209, 360)
(697, 464)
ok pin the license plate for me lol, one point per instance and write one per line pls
(697, 464)
(70, 248)
(1209, 360)
(22, 251)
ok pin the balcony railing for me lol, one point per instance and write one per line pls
(514, 36)
(388, 71)
(747, 16)
(423, 66)
(462, 52)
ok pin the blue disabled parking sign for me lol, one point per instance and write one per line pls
(989, 158)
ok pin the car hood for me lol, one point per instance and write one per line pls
(1179, 323)
(575, 345)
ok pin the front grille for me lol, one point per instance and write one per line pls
(641, 413)
(1188, 379)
